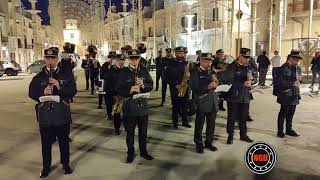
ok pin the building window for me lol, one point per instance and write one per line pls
(195, 19)
(19, 43)
(183, 22)
(150, 32)
(215, 14)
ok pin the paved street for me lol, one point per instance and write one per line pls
(97, 154)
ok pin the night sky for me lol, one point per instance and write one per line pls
(43, 6)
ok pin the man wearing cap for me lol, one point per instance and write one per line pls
(159, 69)
(94, 66)
(135, 79)
(53, 117)
(288, 84)
(264, 65)
(85, 66)
(239, 96)
(105, 74)
(165, 61)
(115, 71)
(203, 82)
(175, 71)
(219, 66)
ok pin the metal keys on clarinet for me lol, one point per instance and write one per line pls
(51, 87)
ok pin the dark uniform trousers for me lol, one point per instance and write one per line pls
(93, 81)
(117, 121)
(48, 135)
(130, 125)
(237, 111)
(164, 89)
(158, 76)
(87, 75)
(199, 122)
(108, 100)
(286, 112)
(179, 107)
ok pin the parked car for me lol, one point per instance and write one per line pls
(35, 67)
(11, 68)
(1, 70)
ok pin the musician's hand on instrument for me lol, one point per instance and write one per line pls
(178, 86)
(135, 88)
(212, 85)
(247, 84)
(47, 91)
(140, 82)
(296, 84)
(250, 77)
(54, 82)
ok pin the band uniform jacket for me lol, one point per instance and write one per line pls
(236, 76)
(175, 72)
(61, 113)
(289, 94)
(94, 67)
(165, 61)
(114, 76)
(205, 100)
(127, 79)
(105, 74)
(85, 64)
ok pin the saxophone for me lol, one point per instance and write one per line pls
(184, 84)
(117, 107)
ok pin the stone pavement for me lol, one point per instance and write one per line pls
(96, 154)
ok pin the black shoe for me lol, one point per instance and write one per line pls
(67, 169)
(292, 133)
(44, 173)
(92, 93)
(187, 125)
(222, 109)
(156, 89)
(99, 107)
(246, 139)
(161, 104)
(230, 140)
(175, 126)
(130, 157)
(211, 147)
(250, 119)
(109, 117)
(199, 149)
(69, 139)
(147, 156)
(117, 132)
(280, 135)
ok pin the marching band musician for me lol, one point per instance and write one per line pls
(203, 82)
(176, 74)
(94, 66)
(115, 70)
(54, 118)
(159, 68)
(142, 49)
(107, 85)
(239, 96)
(85, 67)
(133, 80)
(220, 66)
(164, 79)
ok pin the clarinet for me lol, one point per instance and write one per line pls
(50, 84)
(136, 83)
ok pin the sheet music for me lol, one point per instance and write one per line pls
(192, 58)
(50, 98)
(223, 88)
(141, 95)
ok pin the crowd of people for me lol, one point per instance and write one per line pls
(125, 83)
